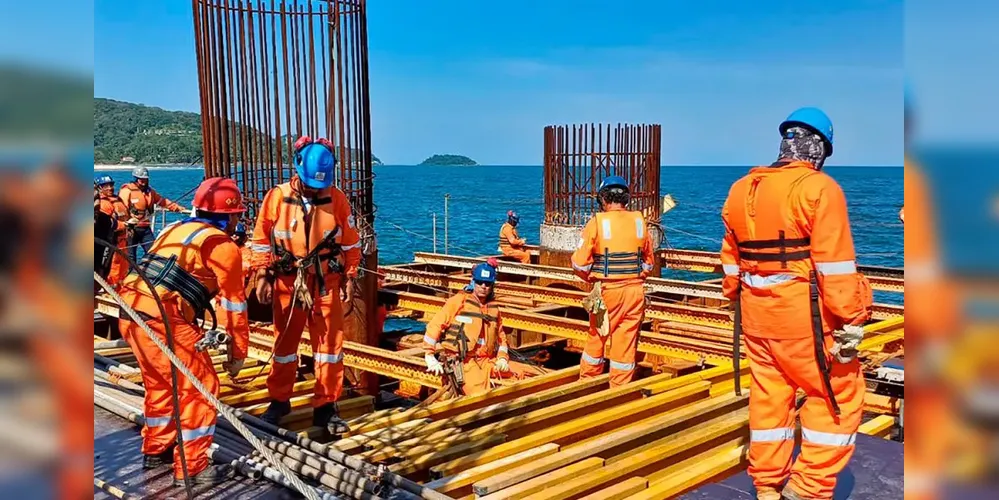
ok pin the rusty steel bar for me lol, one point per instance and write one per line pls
(272, 70)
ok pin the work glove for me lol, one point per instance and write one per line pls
(846, 341)
(233, 367)
(132, 221)
(594, 304)
(502, 365)
(433, 366)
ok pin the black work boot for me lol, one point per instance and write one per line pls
(276, 411)
(154, 461)
(212, 475)
(326, 417)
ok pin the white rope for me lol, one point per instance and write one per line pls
(224, 410)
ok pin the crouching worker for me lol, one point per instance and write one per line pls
(472, 329)
(190, 263)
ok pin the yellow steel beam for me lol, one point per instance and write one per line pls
(652, 343)
(370, 359)
(656, 310)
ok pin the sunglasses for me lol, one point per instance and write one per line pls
(482, 283)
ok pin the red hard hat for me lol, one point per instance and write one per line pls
(219, 195)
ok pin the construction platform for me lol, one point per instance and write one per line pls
(545, 434)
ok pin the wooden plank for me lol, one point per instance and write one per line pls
(417, 446)
(585, 424)
(446, 409)
(715, 375)
(621, 490)
(263, 395)
(429, 460)
(376, 437)
(697, 471)
(461, 483)
(685, 415)
(880, 426)
(537, 484)
(648, 457)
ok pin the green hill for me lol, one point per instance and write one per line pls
(449, 160)
(150, 135)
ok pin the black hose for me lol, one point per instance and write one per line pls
(173, 369)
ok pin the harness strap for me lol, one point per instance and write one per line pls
(820, 354)
(165, 272)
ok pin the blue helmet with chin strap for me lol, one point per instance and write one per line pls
(512, 217)
(103, 180)
(484, 273)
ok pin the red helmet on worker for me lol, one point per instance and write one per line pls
(219, 195)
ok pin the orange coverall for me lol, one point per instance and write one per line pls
(140, 203)
(616, 250)
(486, 338)
(285, 220)
(512, 245)
(931, 319)
(113, 206)
(785, 223)
(205, 254)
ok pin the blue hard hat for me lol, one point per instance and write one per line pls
(512, 217)
(484, 272)
(104, 179)
(812, 118)
(314, 164)
(613, 181)
(240, 228)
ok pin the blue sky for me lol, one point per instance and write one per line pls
(484, 78)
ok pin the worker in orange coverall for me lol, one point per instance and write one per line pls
(616, 251)
(790, 268)
(110, 204)
(191, 263)
(141, 198)
(510, 243)
(305, 249)
(471, 312)
(931, 324)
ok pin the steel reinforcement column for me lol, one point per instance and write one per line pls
(270, 71)
(577, 158)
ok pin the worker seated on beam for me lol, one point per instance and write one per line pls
(189, 264)
(472, 327)
(510, 243)
(615, 250)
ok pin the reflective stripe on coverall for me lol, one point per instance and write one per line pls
(511, 244)
(615, 249)
(203, 254)
(140, 202)
(486, 339)
(298, 226)
(785, 224)
(113, 206)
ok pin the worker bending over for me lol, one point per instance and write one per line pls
(141, 198)
(615, 251)
(470, 322)
(790, 268)
(303, 230)
(510, 243)
(190, 263)
(111, 205)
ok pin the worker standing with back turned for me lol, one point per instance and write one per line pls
(790, 271)
(303, 230)
(141, 198)
(510, 243)
(189, 264)
(615, 251)
(471, 314)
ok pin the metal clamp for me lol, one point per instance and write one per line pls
(212, 340)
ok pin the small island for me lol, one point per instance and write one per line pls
(449, 161)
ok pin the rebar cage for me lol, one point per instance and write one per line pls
(578, 157)
(271, 71)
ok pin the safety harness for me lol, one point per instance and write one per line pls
(617, 263)
(455, 336)
(287, 263)
(801, 251)
(167, 273)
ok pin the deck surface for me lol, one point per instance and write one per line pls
(875, 473)
(118, 460)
